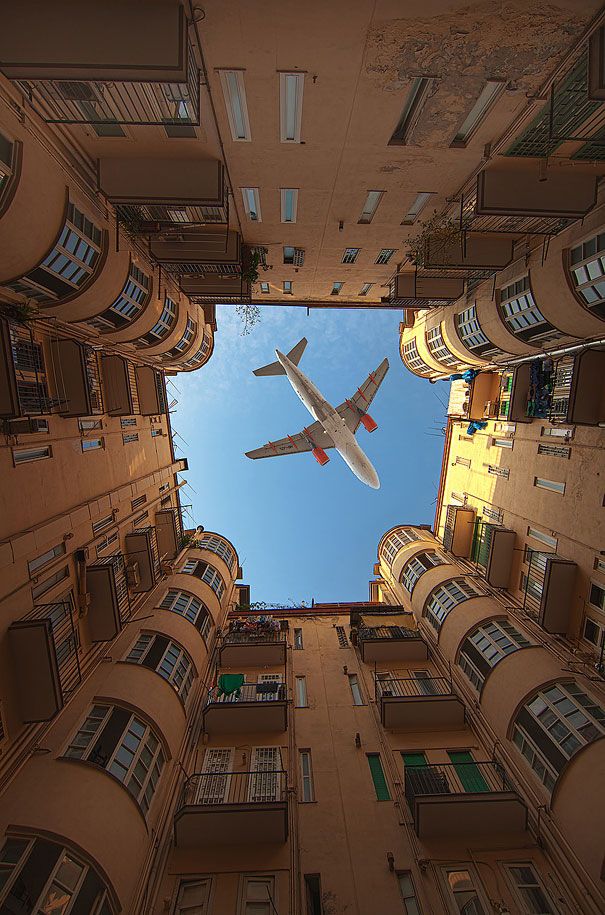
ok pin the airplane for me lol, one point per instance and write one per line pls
(333, 428)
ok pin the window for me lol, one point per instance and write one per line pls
(463, 887)
(336, 288)
(417, 566)
(287, 287)
(417, 96)
(27, 455)
(487, 97)
(396, 540)
(370, 206)
(92, 444)
(416, 208)
(471, 335)
(89, 425)
(156, 433)
(40, 876)
(307, 793)
(529, 889)
(385, 255)
(234, 93)
(7, 150)
(355, 690)
(264, 288)
(258, 896)
(44, 586)
(127, 421)
(129, 437)
(298, 638)
(189, 606)
(557, 432)
(289, 204)
(408, 893)
(140, 519)
(365, 288)
(551, 485)
(553, 725)
(593, 632)
(301, 692)
(496, 471)
(101, 524)
(193, 898)
(486, 646)
(542, 537)
(587, 273)
(165, 657)
(464, 462)
(446, 597)
(413, 360)
(206, 573)
(251, 198)
(291, 86)
(313, 894)
(185, 341)
(438, 348)
(502, 443)
(123, 745)
(69, 266)
(128, 305)
(597, 596)
(342, 637)
(599, 564)
(219, 546)
(378, 777)
(110, 540)
(350, 255)
(522, 316)
(45, 558)
(563, 451)
(162, 326)
(200, 355)
(294, 256)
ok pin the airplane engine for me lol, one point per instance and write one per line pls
(368, 423)
(320, 456)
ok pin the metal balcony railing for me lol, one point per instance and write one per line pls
(144, 219)
(253, 637)
(263, 691)
(215, 789)
(412, 687)
(454, 778)
(525, 225)
(64, 635)
(386, 632)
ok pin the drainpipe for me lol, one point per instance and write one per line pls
(83, 596)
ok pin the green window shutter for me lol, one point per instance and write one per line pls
(377, 772)
(414, 759)
(468, 772)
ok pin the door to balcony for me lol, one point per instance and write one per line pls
(258, 706)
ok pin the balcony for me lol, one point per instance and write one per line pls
(260, 707)
(492, 551)
(169, 532)
(504, 222)
(422, 290)
(418, 704)
(116, 385)
(259, 646)
(233, 808)
(517, 188)
(389, 642)
(210, 250)
(23, 381)
(152, 391)
(548, 589)
(105, 77)
(459, 530)
(463, 799)
(109, 607)
(216, 288)
(484, 393)
(142, 559)
(470, 253)
(77, 378)
(586, 398)
(44, 646)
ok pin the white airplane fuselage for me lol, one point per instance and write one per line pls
(333, 423)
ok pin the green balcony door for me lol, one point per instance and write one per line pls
(468, 772)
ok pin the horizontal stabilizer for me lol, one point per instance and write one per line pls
(274, 368)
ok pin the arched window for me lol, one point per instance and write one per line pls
(447, 596)
(485, 647)
(167, 658)
(125, 746)
(220, 547)
(37, 875)
(587, 273)
(522, 317)
(189, 606)
(417, 566)
(396, 540)
(553, 725)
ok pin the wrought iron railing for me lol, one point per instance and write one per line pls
(263, 691)
(253, 637)
(375, 633)
(454, 778)
(149, 219)
(60, 615)
(412, 687)
(217, 789)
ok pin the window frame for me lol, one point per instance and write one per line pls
(350, 255)
(175, 597)
(253, 192)
(285, 99)
(412, 108)
(437, 608)
(300, 691)
(515, 887)
(233, 87)
(283, 192)
(307, 783)
(175, 666)
(355, 687)
(477, 886)
(372, 202)
(483, 105)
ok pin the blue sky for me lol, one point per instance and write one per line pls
(303, 531)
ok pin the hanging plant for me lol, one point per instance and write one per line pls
(438, 236)
(20, 313)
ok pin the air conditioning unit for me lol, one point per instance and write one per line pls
(133, 577)
(166, 567)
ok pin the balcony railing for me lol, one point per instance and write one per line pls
(412, 687)
(454, 778)
(253, 637)
(386, 632)
(27, 390)
(262, 692)
(524, 225)
(151, 218)
(221, 788)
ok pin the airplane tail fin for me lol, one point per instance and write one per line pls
(276, 368)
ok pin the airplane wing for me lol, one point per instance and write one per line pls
(313, 436)
(358, 405)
